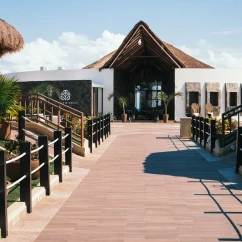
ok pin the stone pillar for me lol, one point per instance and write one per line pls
(185, 127)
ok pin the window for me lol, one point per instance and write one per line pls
(214, 98)
(233, 99)
(193, 97)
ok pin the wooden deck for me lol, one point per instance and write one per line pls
(141, 184)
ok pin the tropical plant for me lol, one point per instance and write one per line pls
(12, 146)
(10, 91)
(122, 100)
(167, 98)
(45, 89)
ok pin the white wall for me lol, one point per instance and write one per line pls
(103, 77)
(203, 75)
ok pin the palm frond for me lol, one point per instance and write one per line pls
(10, 92)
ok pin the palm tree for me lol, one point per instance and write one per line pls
(166, 100)
(122, 101)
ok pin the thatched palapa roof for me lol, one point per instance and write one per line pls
(99, 63)
(10, 39)
(151, 50)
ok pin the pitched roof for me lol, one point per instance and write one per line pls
(142, 46)
(99, 63)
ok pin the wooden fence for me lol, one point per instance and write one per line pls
(26, 174)
(202, 129)
(98, 129)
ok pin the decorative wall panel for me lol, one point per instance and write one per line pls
(192, 87)
(232, 95)
(213, 87)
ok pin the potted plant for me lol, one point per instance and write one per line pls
(9, 104)
(13, 168)
(122, 101)
(166, 100)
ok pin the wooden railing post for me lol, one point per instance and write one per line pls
(58, 117)
(239, 149)
(82, 130)
(32, 108)
(223, 131)
(109, 124)
(90, 134)
(205, 131)
(197, 128)
(21, 126)
(3, 196)
(58, 151)
(102, 127)
(201, 129)
(25, 170)
(37, 108)
(68, 145)
(193, 127)
(99, 130)
(105, 126)
(44, 111)
(213, 134)
(96, 131)
(44, 158)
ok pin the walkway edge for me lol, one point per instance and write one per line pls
(18, 209)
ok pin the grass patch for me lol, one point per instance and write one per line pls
(14, 193)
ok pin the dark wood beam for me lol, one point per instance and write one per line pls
(142, 56)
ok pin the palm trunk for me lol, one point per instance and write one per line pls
(165, 109)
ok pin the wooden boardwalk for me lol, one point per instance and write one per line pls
(142, 184)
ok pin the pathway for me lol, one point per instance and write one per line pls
(142, 184)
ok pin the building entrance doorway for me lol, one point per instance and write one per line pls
(147, 105)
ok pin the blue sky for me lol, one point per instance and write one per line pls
(57, 30)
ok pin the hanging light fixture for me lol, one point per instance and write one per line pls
(139, 42)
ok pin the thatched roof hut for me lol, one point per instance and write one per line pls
(166, 55)
(10, 39)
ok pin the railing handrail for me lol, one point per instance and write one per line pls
(98, 128)
(53, 105)
(50, 100)
(231, 110)
(227, 115)
(202, 129)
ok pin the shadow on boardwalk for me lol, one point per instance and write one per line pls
(190, 164)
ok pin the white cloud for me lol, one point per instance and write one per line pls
(73, 51)
(70, 51)
(218, 58)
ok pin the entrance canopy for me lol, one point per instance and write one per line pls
(142, 47)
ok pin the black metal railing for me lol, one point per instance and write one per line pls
(239, 149)
(25, 179)
(98, 129)
(202, 129)
(231, 135)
